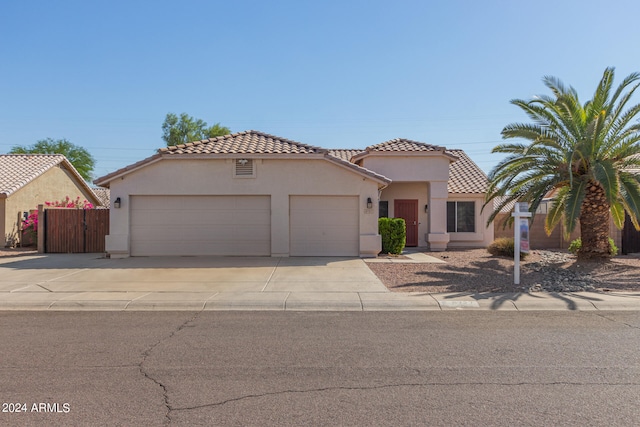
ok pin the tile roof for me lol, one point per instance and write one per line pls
(507, 208)
(357, 168)
(465, 176)
(17, 170)
(401, 144)
(104, 195)
(248, 142)
(344, 153)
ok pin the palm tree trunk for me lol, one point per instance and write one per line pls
(594, 224)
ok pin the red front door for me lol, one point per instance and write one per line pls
(408, 210)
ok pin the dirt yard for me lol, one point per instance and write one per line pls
(475, 270)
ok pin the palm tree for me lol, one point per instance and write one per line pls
(587, 155)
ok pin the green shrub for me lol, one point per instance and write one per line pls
(394, 234)
(504, 246)
(575, 246)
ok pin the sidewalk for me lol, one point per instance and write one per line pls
(311, 301)
(90, 282)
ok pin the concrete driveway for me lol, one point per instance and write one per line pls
(76, 281)
(90, 282)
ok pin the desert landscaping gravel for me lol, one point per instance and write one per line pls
(475, 270)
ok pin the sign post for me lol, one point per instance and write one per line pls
(520, 236)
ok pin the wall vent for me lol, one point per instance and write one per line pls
(244, 167)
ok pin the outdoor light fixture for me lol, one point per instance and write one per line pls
(116, 204)
(369, 203)
(426, 208)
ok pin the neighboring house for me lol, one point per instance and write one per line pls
(627, 239)
(251, 193)
(27, 180)
(103, 194)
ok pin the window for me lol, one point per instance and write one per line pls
(383, 209)
(244, 168)
(461, 217)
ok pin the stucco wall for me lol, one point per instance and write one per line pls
(279, 178)
(55, 184)
(483, 235)
(3, 237)
(410, 190)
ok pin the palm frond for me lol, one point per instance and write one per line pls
(554, 215)
(573, 204)
(630, 195)
(617, 214)
(606, 174)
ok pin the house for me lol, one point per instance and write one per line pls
(27, 180)
(103, 194)
(251, 193)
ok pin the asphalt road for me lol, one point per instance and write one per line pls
(289, 368)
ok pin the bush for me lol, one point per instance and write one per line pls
(394, 234)
(575, 246)
(504, 246)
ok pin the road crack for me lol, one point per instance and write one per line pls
(379, 387)
(616, 321)
(147, 375)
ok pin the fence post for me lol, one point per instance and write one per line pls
(41, 229)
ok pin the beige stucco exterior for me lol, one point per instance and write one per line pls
(483, 235)
(424, 177)
(55, 184)
(280, 178)
(412, 191)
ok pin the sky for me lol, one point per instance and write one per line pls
(335, 74)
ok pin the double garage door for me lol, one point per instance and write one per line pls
(200, 225)
(241, 225)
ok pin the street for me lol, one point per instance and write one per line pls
(312, 368)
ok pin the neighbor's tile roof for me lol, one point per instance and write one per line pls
(507, 208)
(401, 144)
(17, 170)
(465, 176)
(248, 142)
(104, 195)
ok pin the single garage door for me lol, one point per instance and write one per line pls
(324, 226)
(200, 225)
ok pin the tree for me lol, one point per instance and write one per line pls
(585, 153)
(78, 156)
(180, 130)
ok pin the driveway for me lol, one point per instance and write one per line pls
(90, 282)
(74, 281)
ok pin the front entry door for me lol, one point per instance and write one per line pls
(408, 210)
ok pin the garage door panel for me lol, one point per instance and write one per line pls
(338, 217)
(200, 225)
(324, 226)
(251, 218)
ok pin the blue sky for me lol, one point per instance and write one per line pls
(338, 74)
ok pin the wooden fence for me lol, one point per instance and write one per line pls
(74, 230)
